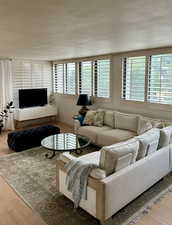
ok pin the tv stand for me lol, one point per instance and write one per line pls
(34, 115)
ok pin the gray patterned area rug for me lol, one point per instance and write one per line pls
(34, 179)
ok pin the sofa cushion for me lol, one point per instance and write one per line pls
(118, 156)
(89, 117)
(109, 118)
(165, 137)
(112, 136)
(92, 131)
(126, 121)
(93, 157)
(148, 142)
(144, 125)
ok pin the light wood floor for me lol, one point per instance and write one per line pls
(13, 211)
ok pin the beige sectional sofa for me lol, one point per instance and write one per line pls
(125, 170)
(117, 127)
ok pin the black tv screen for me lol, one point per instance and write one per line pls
(32, 97)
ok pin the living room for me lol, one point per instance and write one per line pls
(85, 112)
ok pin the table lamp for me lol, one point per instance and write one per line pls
(83, 100)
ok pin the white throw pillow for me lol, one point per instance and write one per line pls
(148, 142)
(165, 136)
(89, 117)
(143, 125)
(118, 156)
(126, 121)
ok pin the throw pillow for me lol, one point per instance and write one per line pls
(109, 118)
(89, 117)
(126, 121)
(99, 118)
(118, 156)
(156, 123)
(165, 136)
(143, 125)
(148, 142)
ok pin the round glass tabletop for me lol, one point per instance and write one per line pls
(65, 142)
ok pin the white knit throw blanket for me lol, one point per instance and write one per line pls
(77, 178)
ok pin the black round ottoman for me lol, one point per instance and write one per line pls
(25, 139)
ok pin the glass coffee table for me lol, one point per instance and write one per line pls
(64, 142)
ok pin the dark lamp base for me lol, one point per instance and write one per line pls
(83, 111)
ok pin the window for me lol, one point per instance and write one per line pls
(160, 79)
(134, 78)
(69, 79)
(148, 78)
(87, 77)
(102, 71)
(58, 76)
(64, 78)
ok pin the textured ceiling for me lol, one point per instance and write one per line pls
(59, 29)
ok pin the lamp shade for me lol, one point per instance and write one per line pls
(83, 100)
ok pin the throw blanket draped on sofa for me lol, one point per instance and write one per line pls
(77, 177)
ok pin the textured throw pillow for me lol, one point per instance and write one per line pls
(143, 125)
(89, 117)
(99, 118)
(165, 137)
(126, 121)
(118, 156)
(156, 123)
(148, 142)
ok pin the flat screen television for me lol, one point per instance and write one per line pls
(32, 97)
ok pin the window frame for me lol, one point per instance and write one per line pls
(146, 76)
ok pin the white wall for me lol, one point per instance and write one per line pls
(67, 104)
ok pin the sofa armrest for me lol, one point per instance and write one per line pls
(170, 153)
(96, 173)
(125, 185)
(96, 187)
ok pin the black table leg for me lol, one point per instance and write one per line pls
(48, 156)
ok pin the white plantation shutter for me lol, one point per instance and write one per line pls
(102, 78)
(160, 79)
(29, 74)
(134, 78)
(58, 72)
(85, 78)
(70, 79)
(64, 76)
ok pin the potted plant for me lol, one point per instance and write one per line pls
(4, 114)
